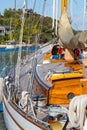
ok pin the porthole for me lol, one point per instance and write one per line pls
(70, 95)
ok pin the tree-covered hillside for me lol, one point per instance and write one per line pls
(34, 25)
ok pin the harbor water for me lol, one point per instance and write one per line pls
(8, 57)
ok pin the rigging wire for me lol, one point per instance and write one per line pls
(34, 5)
(34, 58)
(42, 17)
(53, 14)
(30, 14)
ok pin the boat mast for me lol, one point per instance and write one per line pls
(17, 72)
(64, 5)
(55, 18)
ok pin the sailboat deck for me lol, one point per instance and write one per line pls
(45, 70)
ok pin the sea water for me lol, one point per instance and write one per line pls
(8, 57)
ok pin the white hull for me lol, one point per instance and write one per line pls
(10, 46)
(14, 117)
(16, 121)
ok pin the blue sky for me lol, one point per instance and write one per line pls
(75, 10)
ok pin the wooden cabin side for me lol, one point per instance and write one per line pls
(64, 90)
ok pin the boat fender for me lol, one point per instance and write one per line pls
(56, 126)
(23, 100)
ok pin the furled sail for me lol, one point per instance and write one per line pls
(79, 40)
(65, 30)
(66, 35)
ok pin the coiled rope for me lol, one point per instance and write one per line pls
(77, 111)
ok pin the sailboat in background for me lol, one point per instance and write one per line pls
(38, 94)
(10, 44)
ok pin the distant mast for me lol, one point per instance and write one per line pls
(26, 1)
(15, 4)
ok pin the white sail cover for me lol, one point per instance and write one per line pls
(65, 30)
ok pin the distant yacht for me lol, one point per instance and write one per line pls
(10, 45)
